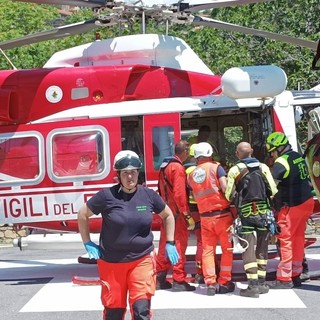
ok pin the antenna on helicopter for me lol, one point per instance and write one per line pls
(7, 58)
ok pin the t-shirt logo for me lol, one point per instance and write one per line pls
(199, 175)
(141, 208)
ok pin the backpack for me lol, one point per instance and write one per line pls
(162, 176)
(251, 185)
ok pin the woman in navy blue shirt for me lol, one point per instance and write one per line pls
(125, 254)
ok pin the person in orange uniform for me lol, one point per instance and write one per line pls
(173, 189)
(208, 183)
(125, 254)
(294, 205)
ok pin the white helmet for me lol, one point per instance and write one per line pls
(126, 160)
(203, 149)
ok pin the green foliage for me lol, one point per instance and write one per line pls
(219, 49)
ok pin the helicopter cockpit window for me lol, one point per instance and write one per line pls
(21, 161)
(163, 144)
(232, 136)
(78, 155)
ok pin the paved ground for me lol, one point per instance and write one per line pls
(37, 284)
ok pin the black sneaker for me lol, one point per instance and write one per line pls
(263, 288)
(199, 278)
(282, 285)
(296, 282)
(182, 286)
(211, 290)
(226, 288)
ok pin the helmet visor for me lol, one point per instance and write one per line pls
(127, 163)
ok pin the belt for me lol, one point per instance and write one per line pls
(214, 213)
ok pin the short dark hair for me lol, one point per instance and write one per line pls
(181, 146)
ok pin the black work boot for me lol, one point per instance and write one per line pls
(179, 286)
(263, 287)
(297, 282)
(162, 283)
(211, 290)
(199, 278)
(252, 291)
(226, 288)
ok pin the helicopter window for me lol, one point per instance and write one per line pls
(20, 160)
(78, 154)
(163, 144)
(232, 136)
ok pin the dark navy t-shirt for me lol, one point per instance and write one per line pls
(127, 218)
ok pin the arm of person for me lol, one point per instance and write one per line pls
(179, 188)
(280, 169)
(270, 180)
(168, 222)
(222, 176)
(171, 250)
(83, 223)
(231, 182)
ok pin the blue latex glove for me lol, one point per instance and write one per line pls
(92, 249)
(172, 253)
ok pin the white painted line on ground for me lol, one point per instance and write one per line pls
(62, 295)
(58, 297)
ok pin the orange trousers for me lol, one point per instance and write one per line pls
(197, 232)
(292, 221)
(213, 230)
(137, 278)
(181, 235)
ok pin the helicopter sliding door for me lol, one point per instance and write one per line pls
(161, 133)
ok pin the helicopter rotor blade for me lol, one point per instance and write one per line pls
(75, 3)
(197, 5)
(203, 21)
(56, 33)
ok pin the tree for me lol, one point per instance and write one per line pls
(219, 49)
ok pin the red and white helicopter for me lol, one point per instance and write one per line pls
(61, 125)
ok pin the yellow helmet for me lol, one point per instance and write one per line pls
(275, 140)
(191, 150)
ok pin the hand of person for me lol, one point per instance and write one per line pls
(172, 253)
(190, 222)
(92, 249)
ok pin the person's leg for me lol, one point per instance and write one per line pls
(223, 224)
(209, 243)
(179, 274)
(113, 289)
(141, 285)
(263, 236)
(284, 269)
(299, 216)
(249, 262)
(163, 263)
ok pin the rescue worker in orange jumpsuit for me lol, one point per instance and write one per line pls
(294, 204)
(208, 183)
(190, 166)
(125, 252)
(173, 189)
